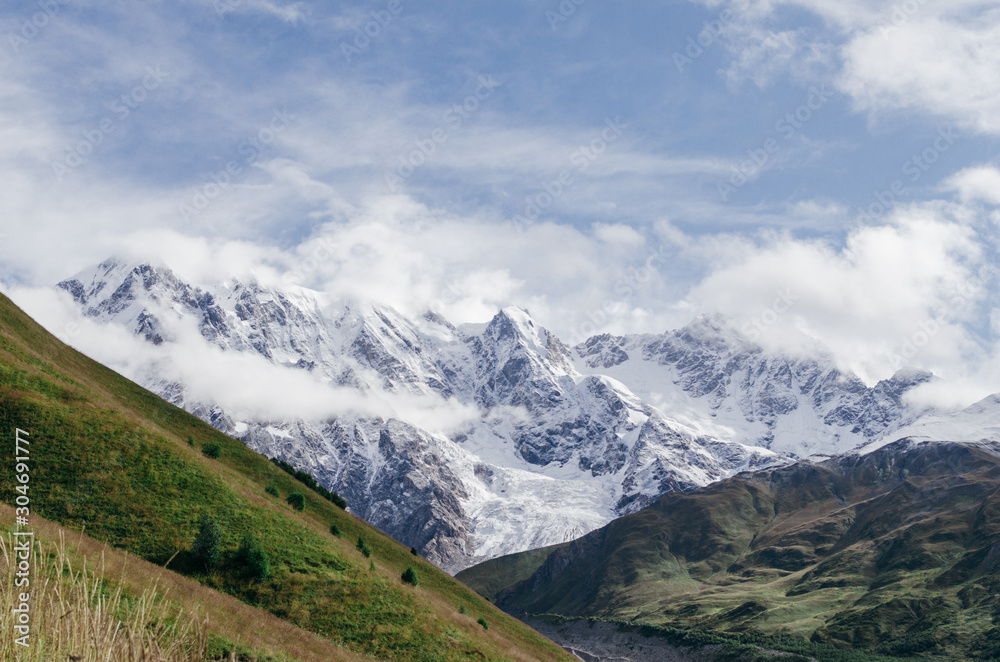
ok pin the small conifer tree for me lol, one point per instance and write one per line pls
(206, 546)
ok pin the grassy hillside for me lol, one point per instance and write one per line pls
(896, 553)
(110, 458)
(497, 574)
(147, 593)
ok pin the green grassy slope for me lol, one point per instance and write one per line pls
(232, 624)
(495, 575)
(109, 457)
(896, 553)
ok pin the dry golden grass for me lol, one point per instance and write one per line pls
(218, 613)
(76, 615)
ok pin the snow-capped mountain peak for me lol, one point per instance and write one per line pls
(514, 333)
(565, 438)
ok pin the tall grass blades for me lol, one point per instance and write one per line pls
(79, 615)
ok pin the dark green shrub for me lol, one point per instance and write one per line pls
(212, 449)
(482, 621)
(272, 490)
(462, 609)
(410, 576)
(310, 482)
(413, 550)
(297, 500)
(253, 558)
(363, 546)
(206, 546)
(335, 530)
(190, 441)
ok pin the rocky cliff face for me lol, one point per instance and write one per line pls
(560, 440)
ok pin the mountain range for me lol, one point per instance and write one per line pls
(545, 442)
(895, 551)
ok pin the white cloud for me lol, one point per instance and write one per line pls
(618, 234)
(315, 204)
(404, 254)
(895, 295)
(246, 385)
(289, 13)
(945, 66)
(905, 293)
(934, 58)
(822, 211)
(981, 183)
(763, 55)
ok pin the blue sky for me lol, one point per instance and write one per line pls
(610, 166)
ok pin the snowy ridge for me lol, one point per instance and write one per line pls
(565, 439)
(714, 380)
(977, 422)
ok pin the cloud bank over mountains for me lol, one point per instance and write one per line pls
(258, 148)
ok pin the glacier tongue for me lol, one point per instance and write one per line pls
(543, 442)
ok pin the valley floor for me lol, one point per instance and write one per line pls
(606, 642)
